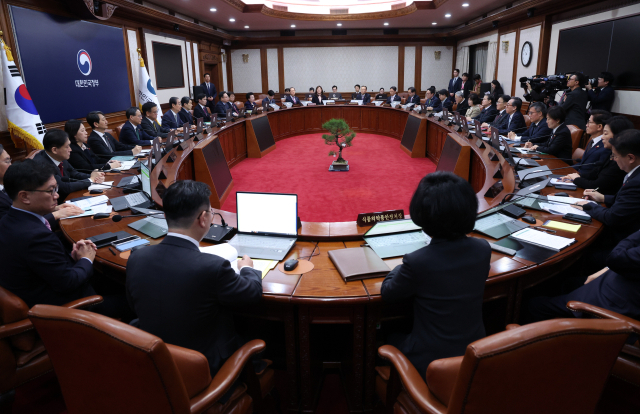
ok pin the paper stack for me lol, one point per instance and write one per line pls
(542, 239)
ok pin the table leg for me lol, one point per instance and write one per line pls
(306, 395)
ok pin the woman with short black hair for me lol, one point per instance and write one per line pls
(445, 279)
(82, 158)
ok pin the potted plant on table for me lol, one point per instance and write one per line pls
(341, 135)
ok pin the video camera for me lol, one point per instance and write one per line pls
(552, 83)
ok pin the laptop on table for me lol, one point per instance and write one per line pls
(137, 199)
(267, 225)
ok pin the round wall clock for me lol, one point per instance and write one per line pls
(526, 54)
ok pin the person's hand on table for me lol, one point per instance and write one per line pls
(245, 261)
(115, 164)
(235, 114)
(484, 125)
(596, 275)
(136, 150)
(570, 177)
(593, 195)
(84, 248)
(66, 210)
(97, 177)
(511, 135)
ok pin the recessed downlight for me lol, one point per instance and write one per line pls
(232, 19)
(246, 27)
(465, 4)
(212, 9)
(386, 24)
(434, 23)
(339, 24)
(447, 15)
(293, 25)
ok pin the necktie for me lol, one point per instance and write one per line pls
(509, 123)
(533, 130)
(137, 135)
(106, 141)
(61, 169)
(46, 223)
(177, 121)
(589, 146)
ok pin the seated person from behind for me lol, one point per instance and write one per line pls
(432, 102)
(413, 97)
(446, 287)
(463, 104)
(57, 150)
(102, 143)
(595, 152)
(538, 131)
(616, 287)
(292, 97)
(82, 158)
(393, 95)
(515, 120)
(185, 112)
(270, 99)
(607, 177)
(559, 143)
(475, 108)
(171, 118)
(446, 103)
(61, 211)
(335, 95)
(502, 117)
(223, 104)
(366, 98)
(489, 110)
(251, 102)
(356, 95)
(381, 95)
(150, 123)
(318, 97)
(131, 132)
(200, 111)
(193, 310)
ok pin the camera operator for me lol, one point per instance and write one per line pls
(603, 95)
(536, 92)
(575, 101)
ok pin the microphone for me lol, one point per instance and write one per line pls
(116, 218)
(552, 169)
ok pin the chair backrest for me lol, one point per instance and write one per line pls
(576, 136)
(33, 153)
(403, 96)
(562, 363)
(138, 375)
(261, 96)
(240, 105)
(14, 309)
(118, 129)
(454, 107)
(527, 120)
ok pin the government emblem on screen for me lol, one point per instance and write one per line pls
(84, 62)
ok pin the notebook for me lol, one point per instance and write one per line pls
(358, 263)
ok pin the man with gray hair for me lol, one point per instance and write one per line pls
(538, 130)
(463, 103)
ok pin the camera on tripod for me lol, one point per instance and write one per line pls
(548, 82)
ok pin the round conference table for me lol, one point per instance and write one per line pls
(321, 296)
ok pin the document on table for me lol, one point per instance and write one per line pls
(144, 152)
(562, 209)
(566, 200)
(226, 251)
(358, 101)
(264, 265)
(125, 165)
(106, 185)
(558, 225)
(540, 238)
(87, 203)
(100, 208)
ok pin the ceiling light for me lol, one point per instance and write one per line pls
(232, 19)
(339, 24)
(465, 4)
(447, 15)
(246, 27)
(293, 25)
(434, 23)
(386, 24)
(212, 9)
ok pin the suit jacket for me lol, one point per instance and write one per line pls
(474, 111)
(128, 135)
(618, 289)
(500, 120)
(488, 114)
(85, 159)
(621, 216)
(198, 112)
(35, 265)
(381, 96)
(221, 108)
(607, 178)
(366, 98)
(394, 98)
(153, 128)
(602, 99)
(169, 120)
(575, 104)
(6, 203)
(185, 117)
(537, 133)
(415, 99)
(447, 290)
(193, 310)
(435, 103)
(99, 148)
(447, 104)
(210, 92)
(517, 125)
(293, 99)
(455, 85)
(462, 107)
(595, 154)
(66, 183)
(317, 101)
(559, 143)
(338, 95)
(267, 101)
(248, 106)
(356, 96)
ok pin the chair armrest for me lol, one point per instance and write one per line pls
(84, 302)
(15, 328)
(576, 306)
(412, 381)
(512, 326)
(193, 367)
(441, 377)
(226, 376)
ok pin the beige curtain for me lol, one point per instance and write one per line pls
(492, 56)
(462, 59)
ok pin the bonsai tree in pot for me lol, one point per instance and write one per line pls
(339, 134)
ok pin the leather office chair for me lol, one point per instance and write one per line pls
(106, 366)
(261, 96)
(454, 107)
(117, 132)
(240, 105)
(556, 366)
(527, 120)
(22, 354)
(579, 152)
(576, 136)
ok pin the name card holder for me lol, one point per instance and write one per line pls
(160, 189)
(163, 174)
(494, 190)
(369, 219)
(492, 155)
(480, 143)
(498, 173)
(172, 157)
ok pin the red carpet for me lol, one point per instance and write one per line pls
(381, 176)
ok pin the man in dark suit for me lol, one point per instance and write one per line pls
(150, 123)
(393, 95)
(131, 132)
(57, 150)
(538, 132)
(489, 110)
(185, 112)
(185, 296)
(366, 98)
(171, 118)
(602, 97)
(467, 85)
(455, 84)
(559, 143)
(432, 102)
(595, 154)
(209, 91)
(463, 103)
(575, 101)
(232, 102)
(335, 95)
(270, 99)
(515, 119)
(503, 117)
(357, 96)
(292, 97)
(222, 105)
(616, 287)
(200, 111)
(102, 143)
(413, 97)
(446, 103)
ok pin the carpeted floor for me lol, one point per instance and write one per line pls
(381, 177)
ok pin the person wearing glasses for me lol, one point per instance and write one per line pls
(150, 123)
(559, 142)
(575, 101)
(131, 132)
(57, 151)
(194, 310)
(538, 131)
(489, 110)
(514, 119)
(61, 211)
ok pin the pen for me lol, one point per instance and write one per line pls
(112, 251)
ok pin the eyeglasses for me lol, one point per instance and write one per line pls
(508, 104)
(53, 190)
(532, 112)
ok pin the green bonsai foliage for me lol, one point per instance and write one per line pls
(339, 134)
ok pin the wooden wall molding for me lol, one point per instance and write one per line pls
(264, 70)
(400, 84)
(417, 82)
